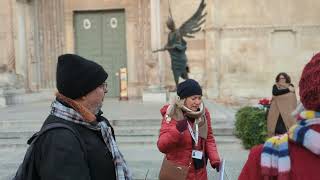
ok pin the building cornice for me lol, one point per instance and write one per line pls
(259, 27)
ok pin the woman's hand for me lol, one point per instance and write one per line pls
(291, 89)
(216, 165)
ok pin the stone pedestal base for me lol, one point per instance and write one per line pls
(155, 95)
(9, 96)
(19, 96)
(2, 99)
(11, 84)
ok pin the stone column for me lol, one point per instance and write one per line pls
(21, 49)
(11, 51)
(156, 42)
(10, 84)
(155, 72)
(10, 45)
(213, 33)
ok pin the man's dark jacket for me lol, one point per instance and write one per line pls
(58, 154)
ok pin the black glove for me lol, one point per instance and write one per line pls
(182, 125)
(216, 165)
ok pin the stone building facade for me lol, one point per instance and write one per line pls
(31, 40)
(242, 47)
(250, 42)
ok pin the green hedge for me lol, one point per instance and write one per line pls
(251, 126)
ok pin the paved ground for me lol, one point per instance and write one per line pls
(142, 158)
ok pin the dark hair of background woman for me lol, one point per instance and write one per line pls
(285, 75)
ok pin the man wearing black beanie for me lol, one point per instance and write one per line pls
(82, 146)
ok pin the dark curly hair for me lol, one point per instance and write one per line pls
(285, 75)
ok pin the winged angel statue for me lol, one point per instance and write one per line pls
(177, 46)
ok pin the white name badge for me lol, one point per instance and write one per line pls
(197, 154)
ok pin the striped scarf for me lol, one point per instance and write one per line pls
(69, 114)
(275, 157)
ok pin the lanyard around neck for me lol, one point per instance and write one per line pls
(194, 135)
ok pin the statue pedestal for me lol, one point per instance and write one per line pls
(155, 94)
(10, 85)
(7, 82)
(19, 96)
(3, 102)
(10, 96)
(12, 91)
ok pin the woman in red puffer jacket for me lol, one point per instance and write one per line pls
(186, 129)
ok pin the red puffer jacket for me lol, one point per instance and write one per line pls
(178, 146)
(304, 164)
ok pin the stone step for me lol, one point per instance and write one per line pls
(154, 130)
(136, 122)
(121, 140)
(11, 133)
(157, 122)
(37, 123)
(137, 131)
(11, 123)
(223, 130)
(127, 140)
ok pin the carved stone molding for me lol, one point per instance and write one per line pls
(263, 30)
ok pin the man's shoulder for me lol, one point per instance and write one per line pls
(66, 132)
(54, 119)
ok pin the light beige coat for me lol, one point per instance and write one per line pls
(284, 104)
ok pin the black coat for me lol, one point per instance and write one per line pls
(58, 154)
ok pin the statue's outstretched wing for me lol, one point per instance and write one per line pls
(192, 25)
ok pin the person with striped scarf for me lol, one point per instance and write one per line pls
(296, 154)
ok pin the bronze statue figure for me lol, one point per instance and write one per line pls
(177, 46)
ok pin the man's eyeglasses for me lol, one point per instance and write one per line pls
(105, 87)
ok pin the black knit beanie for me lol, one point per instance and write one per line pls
(77, 76)
(188, 88)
